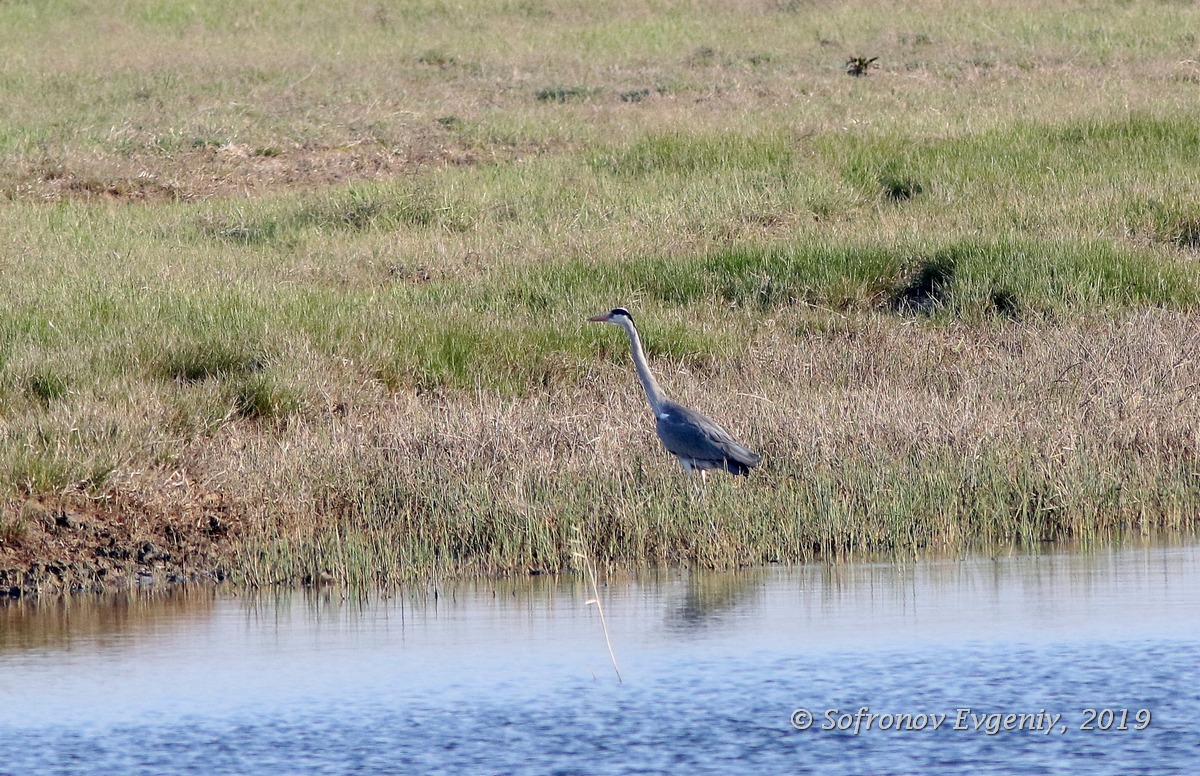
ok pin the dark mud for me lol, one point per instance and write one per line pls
(73, 544)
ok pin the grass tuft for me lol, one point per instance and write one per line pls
(899, 187)
(211, 358)
(259, 397)
(44, 386)
(860, 66)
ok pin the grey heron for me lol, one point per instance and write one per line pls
(699, 443)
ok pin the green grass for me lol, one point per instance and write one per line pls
(677, 154)
(296, 255)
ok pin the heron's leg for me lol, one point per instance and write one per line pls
(691, 469)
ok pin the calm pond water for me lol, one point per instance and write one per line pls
(719, 670)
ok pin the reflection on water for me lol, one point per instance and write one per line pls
(28, 624)
(513, 674)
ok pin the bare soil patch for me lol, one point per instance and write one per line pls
(231, 170)
(72, 543)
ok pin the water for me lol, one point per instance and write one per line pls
(514, 677)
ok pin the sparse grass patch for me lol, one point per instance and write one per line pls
(195, 411)
(437, 58)
(884, 166)
(379, 207)
(38, 473)
(684, 154)
(702, 56)
(239, 231)
(383, 207)
(51, 459)
(14, 528)
(1172, 221)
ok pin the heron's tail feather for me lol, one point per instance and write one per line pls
(741, 460)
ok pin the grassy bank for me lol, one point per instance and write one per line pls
(283, 310)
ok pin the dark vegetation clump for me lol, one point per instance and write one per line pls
(437, 58)
(1187, 235)
(898, 187)
(703, 56)
(859, 66)
(928, 288)
(563, 93)
(45, 386)
(196, 361)
(1005, 304)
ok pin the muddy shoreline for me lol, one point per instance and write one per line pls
(72, 544)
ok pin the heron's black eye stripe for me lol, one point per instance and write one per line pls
(621, 311)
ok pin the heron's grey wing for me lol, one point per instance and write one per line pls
(689, 434)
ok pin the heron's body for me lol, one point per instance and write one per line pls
(698, 442)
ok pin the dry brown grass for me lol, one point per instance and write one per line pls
(1095, 420)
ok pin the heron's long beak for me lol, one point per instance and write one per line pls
(601, 318)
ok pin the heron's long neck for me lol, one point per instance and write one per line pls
(653, 393)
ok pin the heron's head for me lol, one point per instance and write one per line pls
(617, 315)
